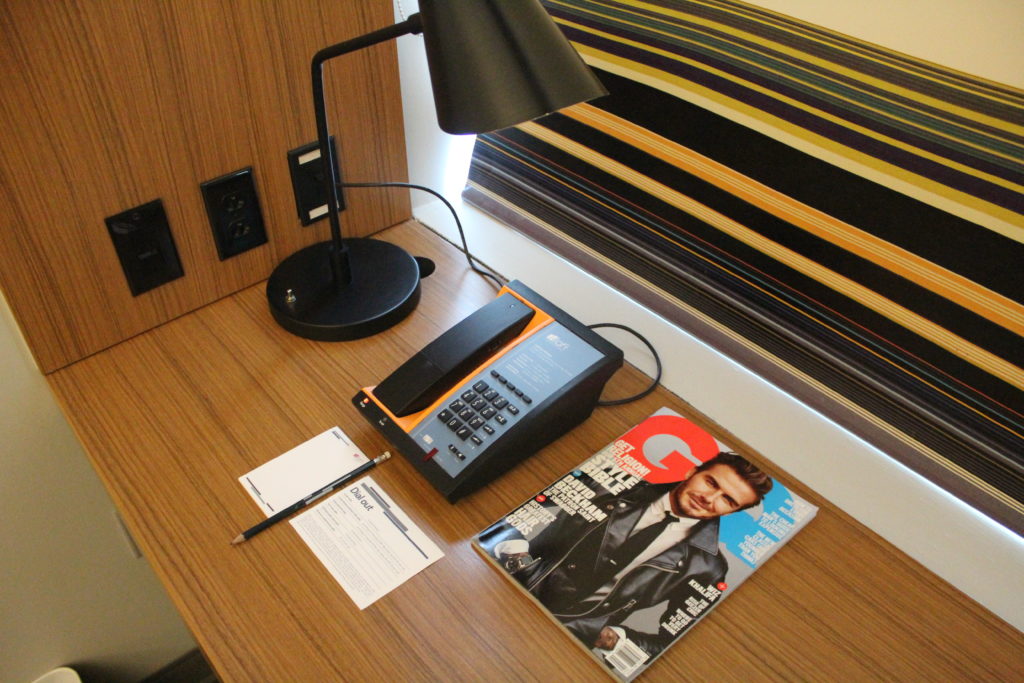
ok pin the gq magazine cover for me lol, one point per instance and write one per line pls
(644, 538)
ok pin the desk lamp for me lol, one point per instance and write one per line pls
(493, 64)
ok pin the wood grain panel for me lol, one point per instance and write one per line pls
(110, 104)
(171, 418)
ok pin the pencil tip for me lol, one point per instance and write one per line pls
(238, 539)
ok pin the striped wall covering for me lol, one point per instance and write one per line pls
(846, 220)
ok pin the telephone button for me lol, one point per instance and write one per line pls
(499, 403)
(463, 432)
(476, 423)
(478, 404)
(476, 439)
(454, 424)
(489, 429)
(500, 419)
(488, 413)
(445, 415)
(512, 409)
(457, 405)
(480, 386)
(468, 396)
(490, 394)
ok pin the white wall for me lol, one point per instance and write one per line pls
(72, 590)
(981, 37)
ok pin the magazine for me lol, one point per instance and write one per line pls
(644, 539)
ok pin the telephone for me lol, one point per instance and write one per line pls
(491, 391)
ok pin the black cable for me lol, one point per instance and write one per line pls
(657, 363)
(498, 280)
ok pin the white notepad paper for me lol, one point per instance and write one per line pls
(365, 541)
(308, 467)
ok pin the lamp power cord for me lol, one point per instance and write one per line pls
(497, 279)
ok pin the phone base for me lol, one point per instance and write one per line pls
(523, 395)
(384, 288)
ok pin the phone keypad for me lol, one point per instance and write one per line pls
(471, 425)
(472, 416)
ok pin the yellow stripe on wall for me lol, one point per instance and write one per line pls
(830, 65)
(1008, 223)
(665, 77)
(1005, 222)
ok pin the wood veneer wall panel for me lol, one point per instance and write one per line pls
(107, 105)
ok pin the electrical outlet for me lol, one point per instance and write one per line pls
(308, 181)
(234, 212)
(145, 247)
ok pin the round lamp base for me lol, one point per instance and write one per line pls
(304, 299)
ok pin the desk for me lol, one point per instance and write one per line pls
(170, 419)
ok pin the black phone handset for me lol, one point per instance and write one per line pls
(443, 363)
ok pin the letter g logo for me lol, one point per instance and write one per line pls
(671, 446)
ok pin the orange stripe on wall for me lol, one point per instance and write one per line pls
(967, 293)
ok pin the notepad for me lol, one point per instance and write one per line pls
(367, 543)
(308, 467)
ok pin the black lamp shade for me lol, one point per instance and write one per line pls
(496, 63)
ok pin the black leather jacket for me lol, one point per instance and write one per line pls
(562, 577)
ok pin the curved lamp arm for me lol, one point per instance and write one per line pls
(340, 266)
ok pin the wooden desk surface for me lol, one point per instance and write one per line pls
(172, 418)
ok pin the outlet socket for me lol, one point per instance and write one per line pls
(233, 208)
(308, 182)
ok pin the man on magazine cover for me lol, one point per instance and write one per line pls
(655, 539)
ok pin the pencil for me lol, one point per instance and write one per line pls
(298, 505)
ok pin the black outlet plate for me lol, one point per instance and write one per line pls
(308, 182)
(233, 208)
(144, 244)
